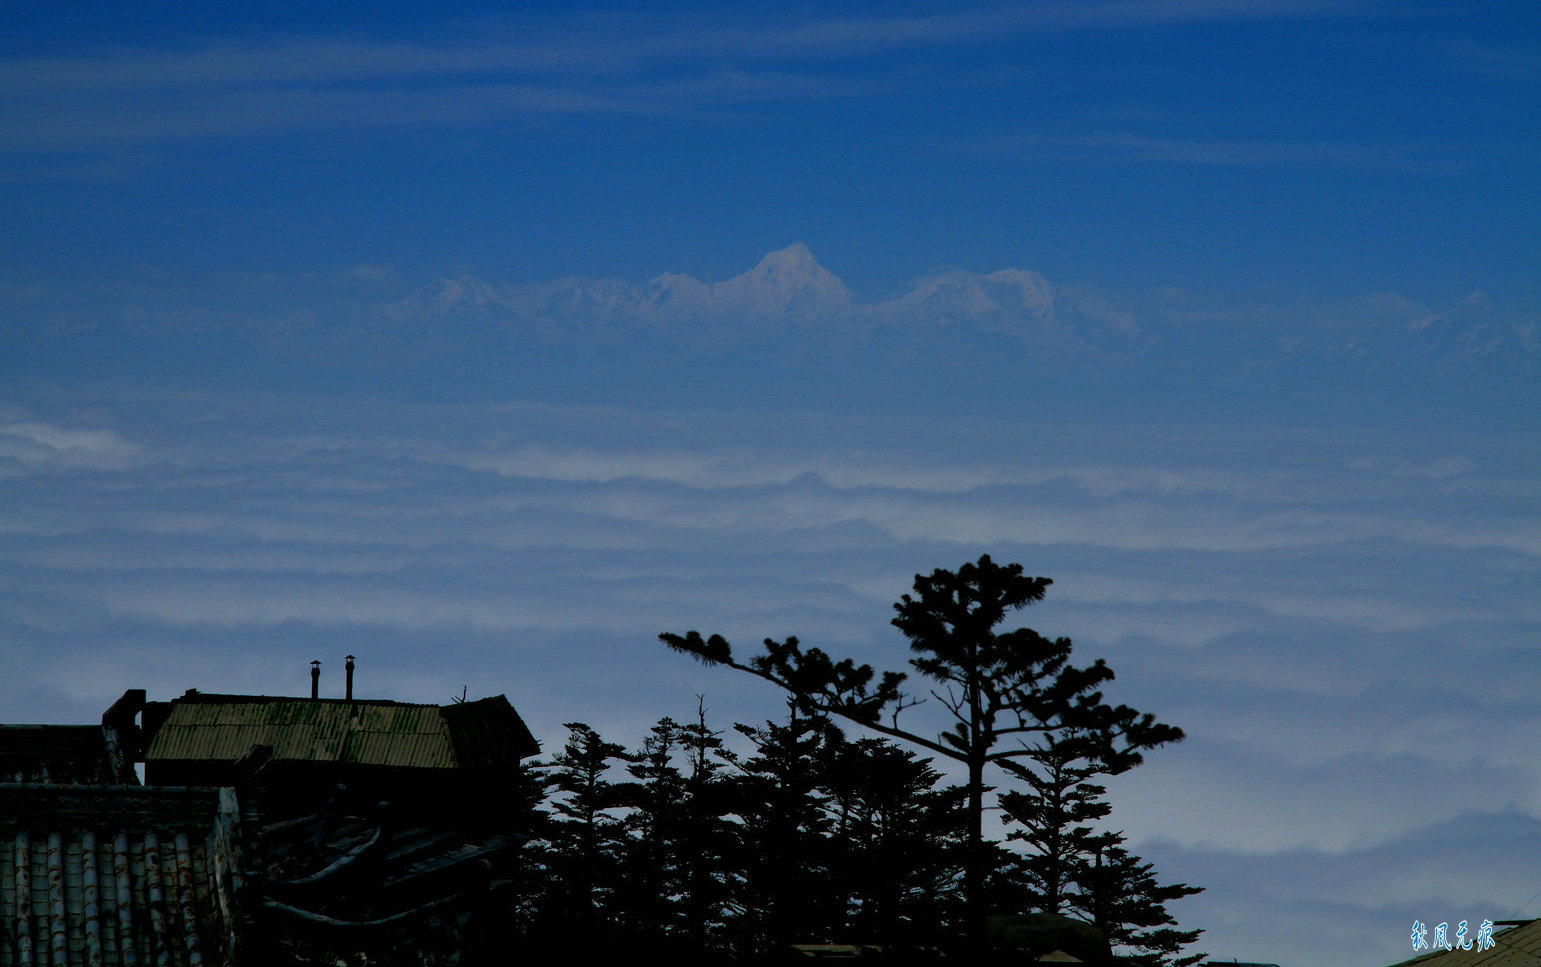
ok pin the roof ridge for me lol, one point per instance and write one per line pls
(221, 698)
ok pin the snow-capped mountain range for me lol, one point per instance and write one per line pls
(789, 332)
(790, 294)
(787, 291)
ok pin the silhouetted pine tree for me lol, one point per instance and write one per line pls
(1052, 818)
(1002, 689)
(673, 888)
(585, 844)
(708, 838)
(529, 815)
(783, 891)
(1069, 866)
(897, 842)
(648, 898)
(1118, 892)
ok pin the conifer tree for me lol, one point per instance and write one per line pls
(1003, 690)
(651, 886)
(679, 840)
(784, 889)
(1118, 892)
(585, 841)
(709, 838)
(897, 840)
(1054, 816)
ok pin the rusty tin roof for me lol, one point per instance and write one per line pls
(375, 733)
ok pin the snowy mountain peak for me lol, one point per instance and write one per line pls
(452, 302)
(795, 258)
(445, 296)
(1028, 289)
(786, 284)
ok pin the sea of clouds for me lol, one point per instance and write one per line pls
(1344, 623)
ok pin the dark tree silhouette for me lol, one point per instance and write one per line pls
(786, 893)
(680, 842)
(709, 839)
(585, 841)
(1052, 818)
(651, 884)
(1119, 893)
(896, 845)
(1005, 691)
(1072, 867)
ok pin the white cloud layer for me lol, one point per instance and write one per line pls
(1345, 625)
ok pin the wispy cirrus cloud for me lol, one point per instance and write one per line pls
(1117, 147)
(536, 66)
(1506, 61)
(39, 445)
(613, 44)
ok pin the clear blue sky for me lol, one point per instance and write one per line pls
(488, 343)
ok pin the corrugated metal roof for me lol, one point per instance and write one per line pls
(382, 734)
(488, 732)
(1517, 946)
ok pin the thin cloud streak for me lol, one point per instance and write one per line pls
(1133, 149)
(622, 46)
(243, 89)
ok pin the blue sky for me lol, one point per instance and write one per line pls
(1321, 148)
(486, 344)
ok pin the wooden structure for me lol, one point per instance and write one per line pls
(268, 830)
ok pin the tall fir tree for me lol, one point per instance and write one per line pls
(1119, 893)
(1052, 818)
(784, 886)
(679, 841)
(709, 838)
(1070, 866)
(897, 842)
(649, 900)
(585, 843)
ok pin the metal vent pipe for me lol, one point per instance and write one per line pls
(349, 668)
(315, 679)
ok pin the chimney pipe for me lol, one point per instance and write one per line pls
(315, 679)
(349, 668)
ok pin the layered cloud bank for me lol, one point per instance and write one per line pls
(1345, 624)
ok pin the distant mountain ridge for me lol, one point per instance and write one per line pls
(1469, 334)
(787, 291)
(789, 332)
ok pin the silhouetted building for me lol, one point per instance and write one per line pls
(78, 754)
(462, 756)
(268, 830)
(118, 874)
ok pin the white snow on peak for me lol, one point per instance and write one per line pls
(1011, 299)
(787, 285)
(442, 298)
